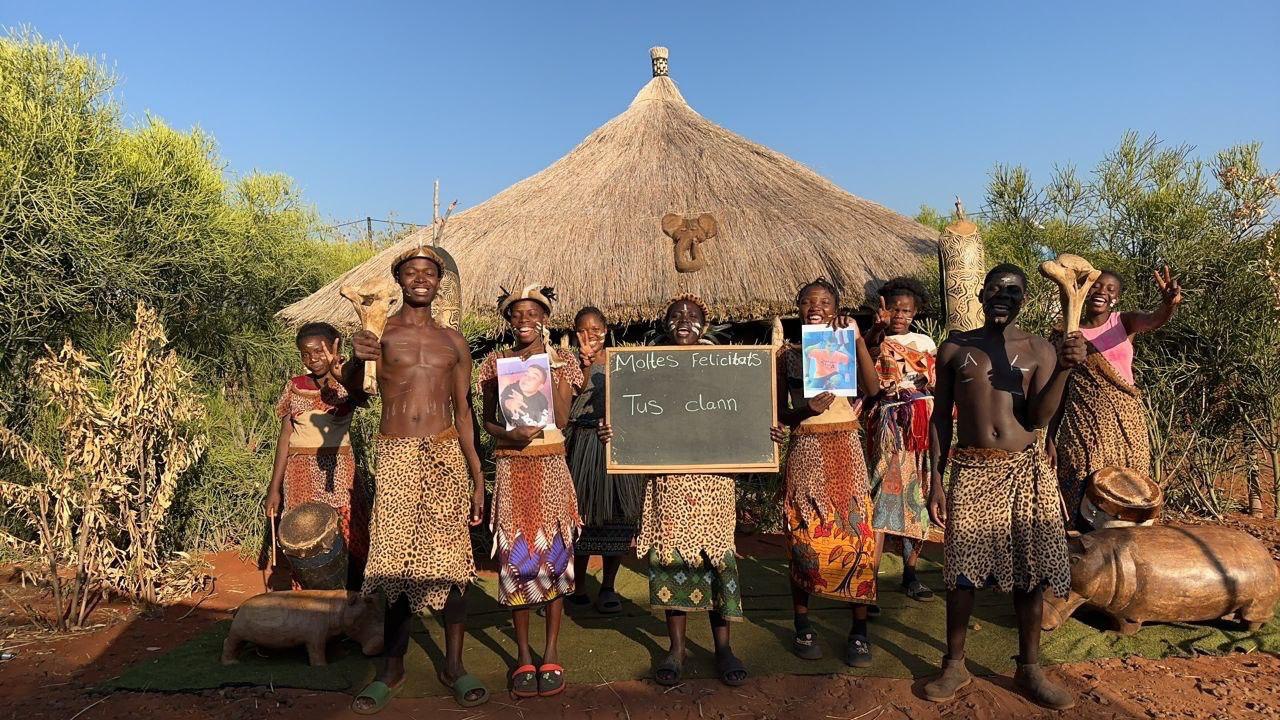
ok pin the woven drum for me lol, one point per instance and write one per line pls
(311, 538)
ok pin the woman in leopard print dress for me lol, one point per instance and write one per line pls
(535, 510)
(827, 500)
(1103, 422)
(686, 532)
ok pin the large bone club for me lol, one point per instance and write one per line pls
(373, 301)
(1074, 276)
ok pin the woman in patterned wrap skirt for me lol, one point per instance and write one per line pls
(898, 426)
(1103, 421)
(827, 502)
(535, 510)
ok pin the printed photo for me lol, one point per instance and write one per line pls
(830, 361)
(524, 391)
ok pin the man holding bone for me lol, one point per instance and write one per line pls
(429, 482)
(1002, 513)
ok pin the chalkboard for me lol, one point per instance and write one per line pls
(691, 408)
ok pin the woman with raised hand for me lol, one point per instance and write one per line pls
(609, 505)
(1102, 422)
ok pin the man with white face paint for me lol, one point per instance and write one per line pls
(1003, 514)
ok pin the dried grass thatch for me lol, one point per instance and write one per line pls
(589, 225)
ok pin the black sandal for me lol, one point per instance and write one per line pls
(805, 645)
(667, 673)
(918, 591)
(729, 666)
(857, 652)
(609, 602)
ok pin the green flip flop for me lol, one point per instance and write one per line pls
(380, 693)
(464, 686)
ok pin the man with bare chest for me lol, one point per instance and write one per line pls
(1003, 515)
(429, 484)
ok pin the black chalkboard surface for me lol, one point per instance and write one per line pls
(694, 408)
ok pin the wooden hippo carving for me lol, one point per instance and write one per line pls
(1169, 574)
(688, 234)
(305, 617)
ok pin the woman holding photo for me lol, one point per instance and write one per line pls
(535, 512)
(826, 499)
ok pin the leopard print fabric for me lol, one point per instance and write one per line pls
(1004, 522)
(826, 479)
(1103, 423)
(688, 514)
(420, 540)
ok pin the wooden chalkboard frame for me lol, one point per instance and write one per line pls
(612, 467)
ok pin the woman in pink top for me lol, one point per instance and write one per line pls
(1102, 421)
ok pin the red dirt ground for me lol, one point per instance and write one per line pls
(50, 678)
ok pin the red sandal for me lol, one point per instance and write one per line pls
(524, 681)
(550, 680)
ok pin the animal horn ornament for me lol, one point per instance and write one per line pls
(1074, 276)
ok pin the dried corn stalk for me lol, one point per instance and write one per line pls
(98, 504)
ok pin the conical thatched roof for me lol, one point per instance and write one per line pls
(588, 225)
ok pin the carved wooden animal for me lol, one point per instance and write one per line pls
(1165, 573)
(1074, 276)
(305, 617)
(373, 302)
(688, 234)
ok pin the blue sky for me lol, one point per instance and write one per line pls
(901, 103)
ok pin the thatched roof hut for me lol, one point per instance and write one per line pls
(589, 225)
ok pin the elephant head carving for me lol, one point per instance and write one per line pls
(688, 234)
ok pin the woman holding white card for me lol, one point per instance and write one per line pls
(826, 497)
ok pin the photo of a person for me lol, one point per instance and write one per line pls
(525, 394)
(829, 361)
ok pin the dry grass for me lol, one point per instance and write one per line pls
(588, 225)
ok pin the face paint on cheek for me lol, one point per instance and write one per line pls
(696, 327)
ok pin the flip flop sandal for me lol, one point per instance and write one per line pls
(918, 591)
(380, 693)
(667, 673)
(609, 603)
(728, 666)
(550, 680)
(857, 653)
(524, 681)
(464, 686)
(805, 645)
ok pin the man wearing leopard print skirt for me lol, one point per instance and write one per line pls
(1003, 514)
(429, 482)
